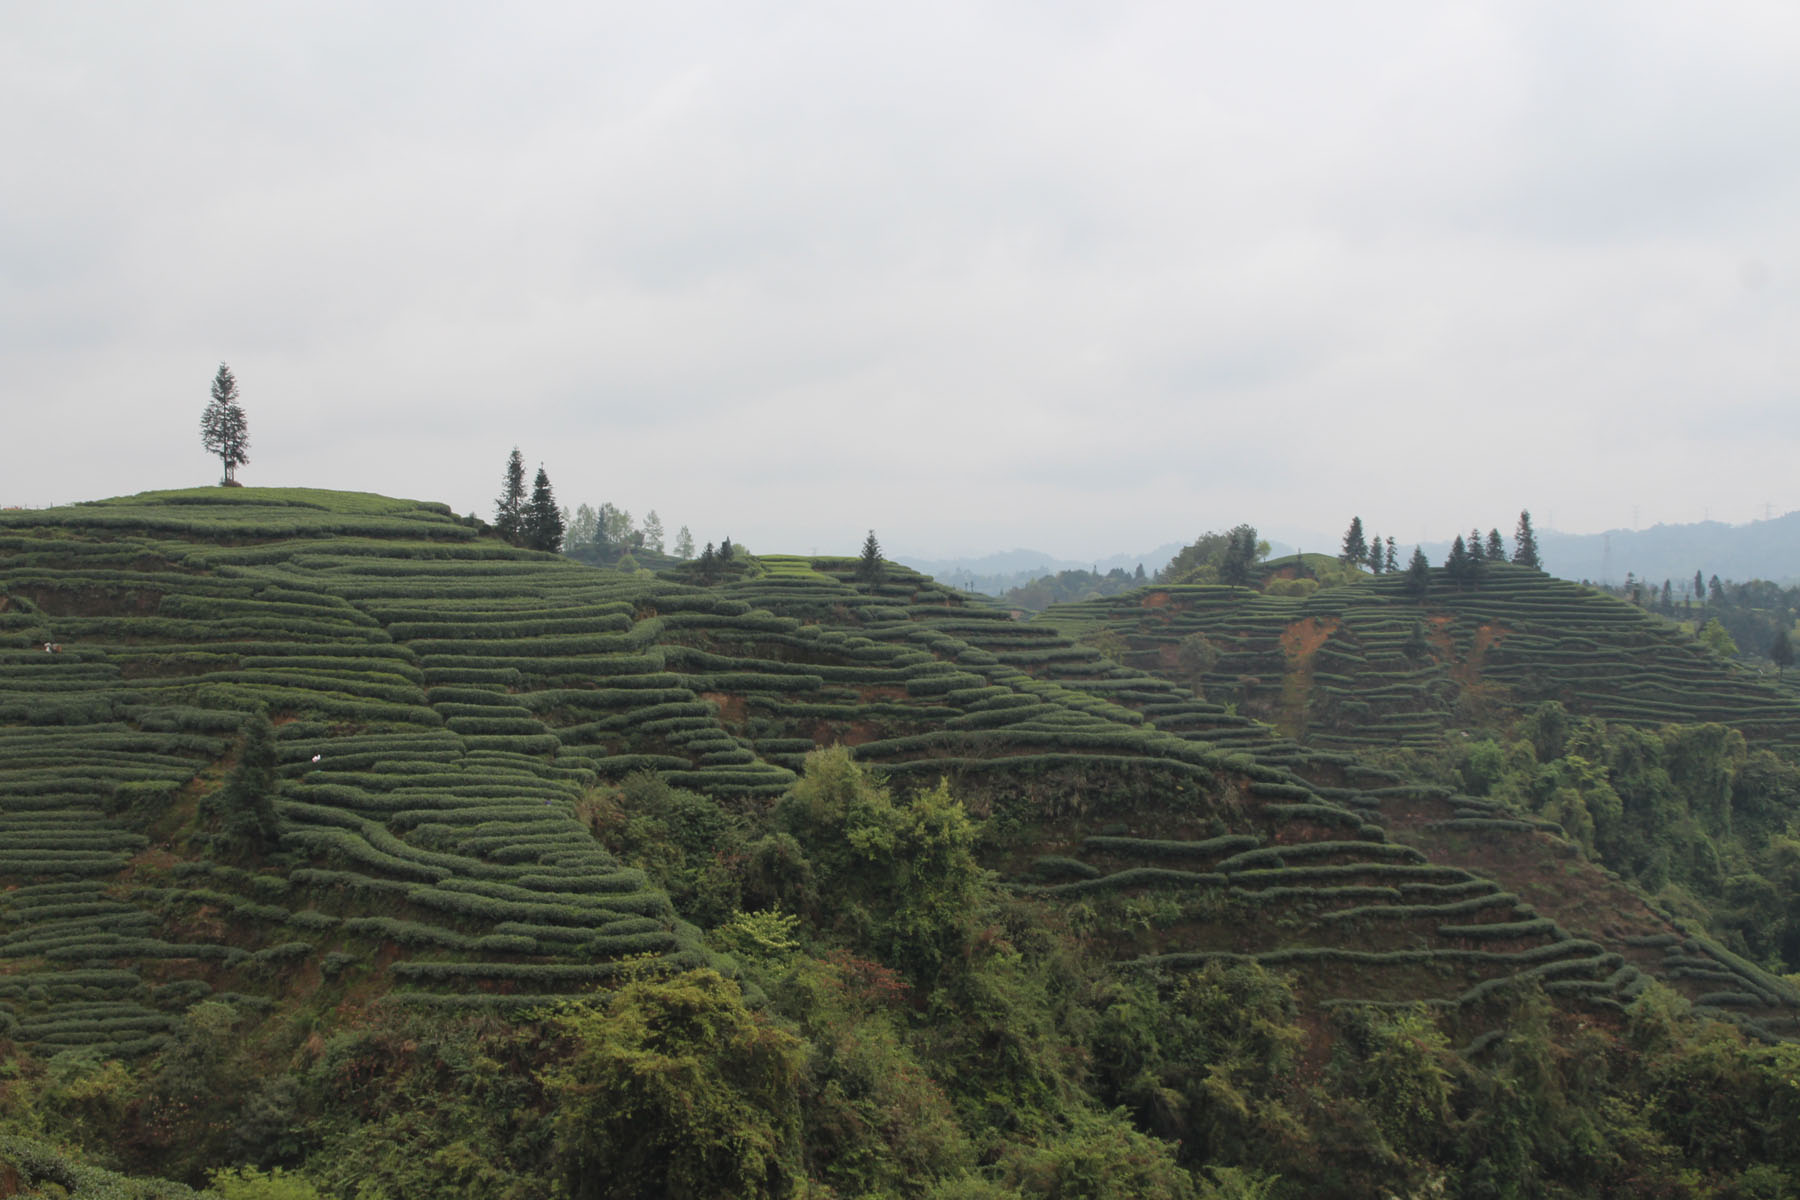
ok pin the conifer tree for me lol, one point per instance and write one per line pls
(709, 564)
(1242, 549)
(1476, 553)
(1781, 652)
(1525, 551)
(1355, 548)
(1457, 565)
(1418, 574)
(1393, 558)
(247, 802)
(1417, 644)
(1374, 556)
(541, 525)
(727, 551)
(1699, 588)
(509, 509)
(1496, 548)
(223, 428)
(870, 567)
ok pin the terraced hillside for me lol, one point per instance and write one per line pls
(444, 707)
(1296, 857)
(1370, 665)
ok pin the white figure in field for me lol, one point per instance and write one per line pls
(317, 757)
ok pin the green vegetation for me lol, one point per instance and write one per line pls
(1066, 586)
(1226, 558)
(224, 430)
(870, 567)
(541, 525)
(1688, 812)
(509, 509)
(351, 851)
(1525, 551)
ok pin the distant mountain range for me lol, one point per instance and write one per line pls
(1759, 550)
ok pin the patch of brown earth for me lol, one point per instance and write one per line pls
(1302, 639)
(732, 709)
(883, 691)
(1468, 671)
(848, 733)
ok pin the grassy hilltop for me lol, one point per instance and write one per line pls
(309, 780)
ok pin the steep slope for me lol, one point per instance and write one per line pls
(1370, 665)
(1247, 845)
(445, 708)
(427, 836)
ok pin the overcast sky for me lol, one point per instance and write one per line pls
(1085, 278)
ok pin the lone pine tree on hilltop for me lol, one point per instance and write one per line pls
(869, 567)
(223, 428)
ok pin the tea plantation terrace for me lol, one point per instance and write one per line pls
(444, 707)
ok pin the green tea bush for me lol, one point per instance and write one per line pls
(408, 933)
(1054, 866)
(1206, 848)
(1131, 878)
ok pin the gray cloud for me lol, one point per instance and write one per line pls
(1082, 277)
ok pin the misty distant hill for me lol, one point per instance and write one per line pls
(995, 573)
(1759, 550)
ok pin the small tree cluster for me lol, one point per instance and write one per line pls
(1217, 557)
(535, 523)
(610, 534)
(1371, 551)
(1242, 550)
(1464, 562)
